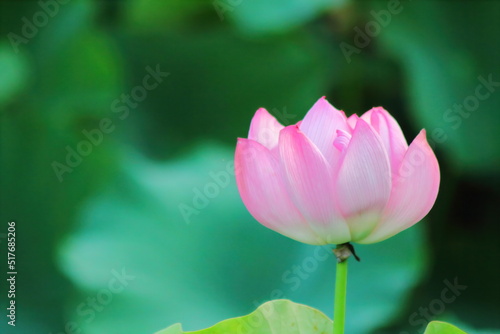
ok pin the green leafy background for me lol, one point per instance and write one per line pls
(121, 207)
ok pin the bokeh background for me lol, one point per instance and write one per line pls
(154, 197)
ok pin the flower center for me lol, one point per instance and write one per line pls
(342, 140)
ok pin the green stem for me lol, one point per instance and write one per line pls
(340, 298)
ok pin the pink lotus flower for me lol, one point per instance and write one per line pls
(331, 179)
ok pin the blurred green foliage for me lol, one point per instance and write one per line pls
(274, 317)
(120, 207)
(437, 327)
